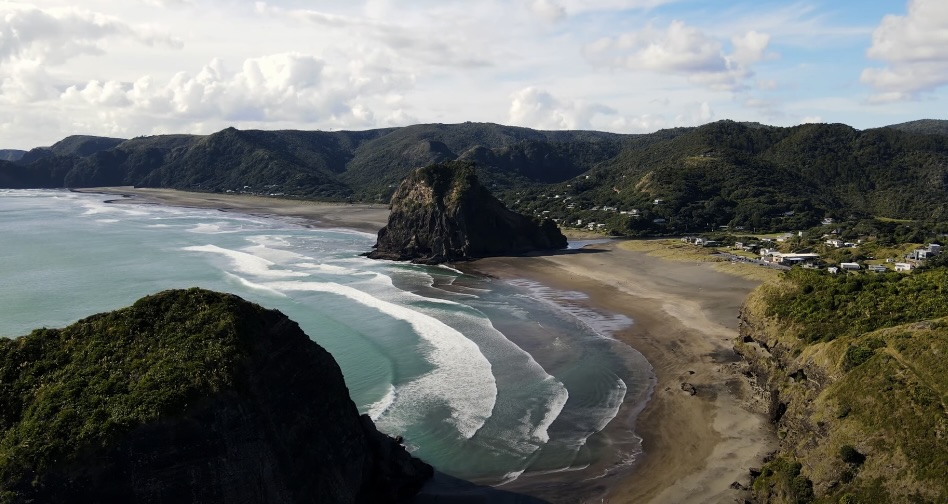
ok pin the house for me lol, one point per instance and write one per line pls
(903, 266)
(834, 243)
(710, 243)
(658, 201)
(833, 270)
(827, 221)
(920, 254)
(877, 268)
(792, 259)
(849, 266)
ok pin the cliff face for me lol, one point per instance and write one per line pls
(861, 417)
(188, 396)
(441, 213)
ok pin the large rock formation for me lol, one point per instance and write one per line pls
(188, 396)
(442, 213)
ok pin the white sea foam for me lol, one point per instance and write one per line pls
(608, 411)
(602, 324)
(378, 408)
(331, 269)
(558, 397)
(462, 376)
(98, 207)
(247, 263)
(255, 286)
(449, 268)
(510, 477)
(275, 255)
(205, 228)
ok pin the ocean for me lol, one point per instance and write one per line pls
(489, 381)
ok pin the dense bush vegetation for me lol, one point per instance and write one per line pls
(64, 390)
(822, 307)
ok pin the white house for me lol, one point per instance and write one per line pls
(849, 266)
(833, 270)
(834, 243)
(903, 266)
(877, 268)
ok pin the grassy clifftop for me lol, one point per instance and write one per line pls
(854, 365)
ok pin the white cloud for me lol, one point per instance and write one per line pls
(280, 87)
(548, 10)
(692, 114)
(56, 35)
(536, 108)
(456, 44)
(683, 50)
(915, 49)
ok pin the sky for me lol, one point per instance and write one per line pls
(128, 68)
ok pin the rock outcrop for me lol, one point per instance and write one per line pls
(442, 213)
(188, 396)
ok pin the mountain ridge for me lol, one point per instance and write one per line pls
(724, 173)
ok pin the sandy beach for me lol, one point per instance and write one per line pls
(369, 218)
(703, 427)
(685, 319)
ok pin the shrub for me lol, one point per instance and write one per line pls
(851, 455)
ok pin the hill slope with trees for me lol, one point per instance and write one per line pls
(740, 175)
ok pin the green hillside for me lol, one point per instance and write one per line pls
(744, 176)
(854, 366)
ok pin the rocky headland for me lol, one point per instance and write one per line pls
(188, 396)
(852, 369)
(441, 213)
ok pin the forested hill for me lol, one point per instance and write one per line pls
(722, 174)
(363, 165)
(754, 176)
(11, 154)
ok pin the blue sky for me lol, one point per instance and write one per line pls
(140, 67)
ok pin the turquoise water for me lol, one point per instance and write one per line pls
(488, 381)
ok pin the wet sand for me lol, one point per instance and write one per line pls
(685, 320)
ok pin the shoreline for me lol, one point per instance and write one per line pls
(358, 216)
(684, 323)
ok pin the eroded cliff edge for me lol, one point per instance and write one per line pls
(188, 396)
(854, 369)
(442, 213)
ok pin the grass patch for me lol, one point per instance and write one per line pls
(673, 250)
(753, 272)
